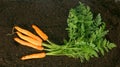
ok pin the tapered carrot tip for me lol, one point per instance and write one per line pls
(16, 27)
(33, 56)
(40, 32)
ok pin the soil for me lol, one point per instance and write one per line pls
(51, 17)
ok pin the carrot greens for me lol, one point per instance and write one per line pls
(86, 36)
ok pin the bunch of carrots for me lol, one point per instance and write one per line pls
(27, 38)
(86, 37)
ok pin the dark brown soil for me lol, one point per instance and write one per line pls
(51, 16)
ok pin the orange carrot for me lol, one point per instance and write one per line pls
(40, 32)
(33, 56)
(28, 44)
(29, 39)
(26, 32)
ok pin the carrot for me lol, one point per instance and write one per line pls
(33, 56)
(26, 32)
(28, 44)
(40, 32)
(29, 39)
